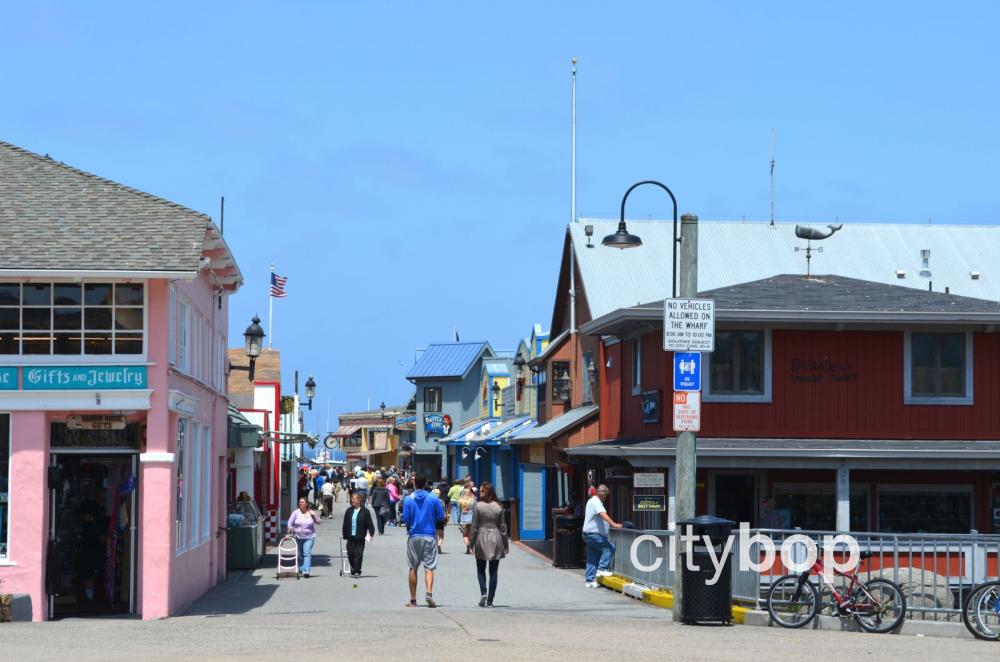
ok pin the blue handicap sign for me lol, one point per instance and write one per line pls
(687, 371)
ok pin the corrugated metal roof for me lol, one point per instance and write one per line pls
(467, 431)
(448, 360)
(498, 368)
(556, 426)
(733, 252)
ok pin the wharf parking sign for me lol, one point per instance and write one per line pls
(689, 325)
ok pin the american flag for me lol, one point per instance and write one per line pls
(278, 285)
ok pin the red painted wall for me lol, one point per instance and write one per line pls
(868, 404)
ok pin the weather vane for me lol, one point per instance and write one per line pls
(810, 235)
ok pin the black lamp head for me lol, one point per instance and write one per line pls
(310, 388)
(254, 337)
(622, 239)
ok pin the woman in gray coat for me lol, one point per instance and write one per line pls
(488, 539)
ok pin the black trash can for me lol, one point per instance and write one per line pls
(569, 549)
(701, 601)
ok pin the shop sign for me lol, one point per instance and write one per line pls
(8, 379)
(649, 503)
(407, 422)
(651, 407)
(687, 411)
(648, 479)
(66, 378)
(437, 424)
(95, 422)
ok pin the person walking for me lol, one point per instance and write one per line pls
(380, 504)
(439, 494)
(302, 527)
(361, 485)
(488, 539)
(329, 488)
(453, 494)
(466, 504)
(357, 530)
(421, 513)
(393, 490)
(600, 549)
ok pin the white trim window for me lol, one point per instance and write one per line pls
(183, 331)
(49, 321)
(636, 366)
(5, 477)
(739, 370)
(937, 368)
(192, 487)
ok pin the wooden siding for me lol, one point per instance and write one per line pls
(862, 399)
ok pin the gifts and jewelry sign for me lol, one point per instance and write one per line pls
(689, 325)
(63, 378)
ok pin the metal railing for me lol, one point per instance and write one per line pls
(936, 572)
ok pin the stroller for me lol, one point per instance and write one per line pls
(288, 557)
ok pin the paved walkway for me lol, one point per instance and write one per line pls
(543, 613)
(526, 582)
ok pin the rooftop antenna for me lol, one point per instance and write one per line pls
(812, 234)
(222, 214)
(772, 178)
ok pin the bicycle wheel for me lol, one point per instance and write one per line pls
(981, 611)
(791, 602)
(879, 606)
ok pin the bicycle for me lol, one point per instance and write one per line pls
(877, 605)
(981, 611)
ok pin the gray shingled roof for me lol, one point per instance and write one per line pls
(837, 293)
(53, 216)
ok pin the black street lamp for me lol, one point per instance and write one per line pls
(622, 239)
(310, 391)
(519, 366)
(496, 395)
(382, 408)
(254, 338)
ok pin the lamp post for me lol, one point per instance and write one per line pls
(254, 339)
(622, 239)
(310, 391)
(686, 454)
(496, 396)
(382, 408)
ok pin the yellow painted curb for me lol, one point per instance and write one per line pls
(660, 598)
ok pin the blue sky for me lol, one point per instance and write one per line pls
(406, 165)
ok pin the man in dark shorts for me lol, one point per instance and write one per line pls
(421, 513)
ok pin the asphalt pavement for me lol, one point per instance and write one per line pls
(542, 613)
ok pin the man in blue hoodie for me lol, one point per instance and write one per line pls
(421, 513)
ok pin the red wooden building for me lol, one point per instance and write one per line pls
(856, 405)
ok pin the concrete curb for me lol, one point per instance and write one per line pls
(657, 597)
(912, 627)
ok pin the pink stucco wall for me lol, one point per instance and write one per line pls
(166, 581)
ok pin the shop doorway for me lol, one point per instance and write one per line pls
(91, 568)
(735, 496)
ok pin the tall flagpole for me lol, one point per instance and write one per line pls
(270, 309)
(572, 192)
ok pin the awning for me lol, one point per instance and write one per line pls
(556, 426)
(469, 429)
(241, 433)
(346, 430)
(500, 435)
(743, 452)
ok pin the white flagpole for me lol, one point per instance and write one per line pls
(270, 310)
(572, 192)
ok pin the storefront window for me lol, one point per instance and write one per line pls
(919, 509)
(937, 363)
(814, 507)
(44, 319)
(4, 481)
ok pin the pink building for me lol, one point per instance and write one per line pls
(113, 407)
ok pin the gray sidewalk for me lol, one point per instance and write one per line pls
(526, 582)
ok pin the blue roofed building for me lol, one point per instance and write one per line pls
(447, 377)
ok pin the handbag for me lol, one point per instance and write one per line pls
(384, 511)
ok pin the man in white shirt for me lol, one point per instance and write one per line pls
(600, 549)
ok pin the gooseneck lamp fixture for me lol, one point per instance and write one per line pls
(254, 337)
(310, 391)
(622, 239)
